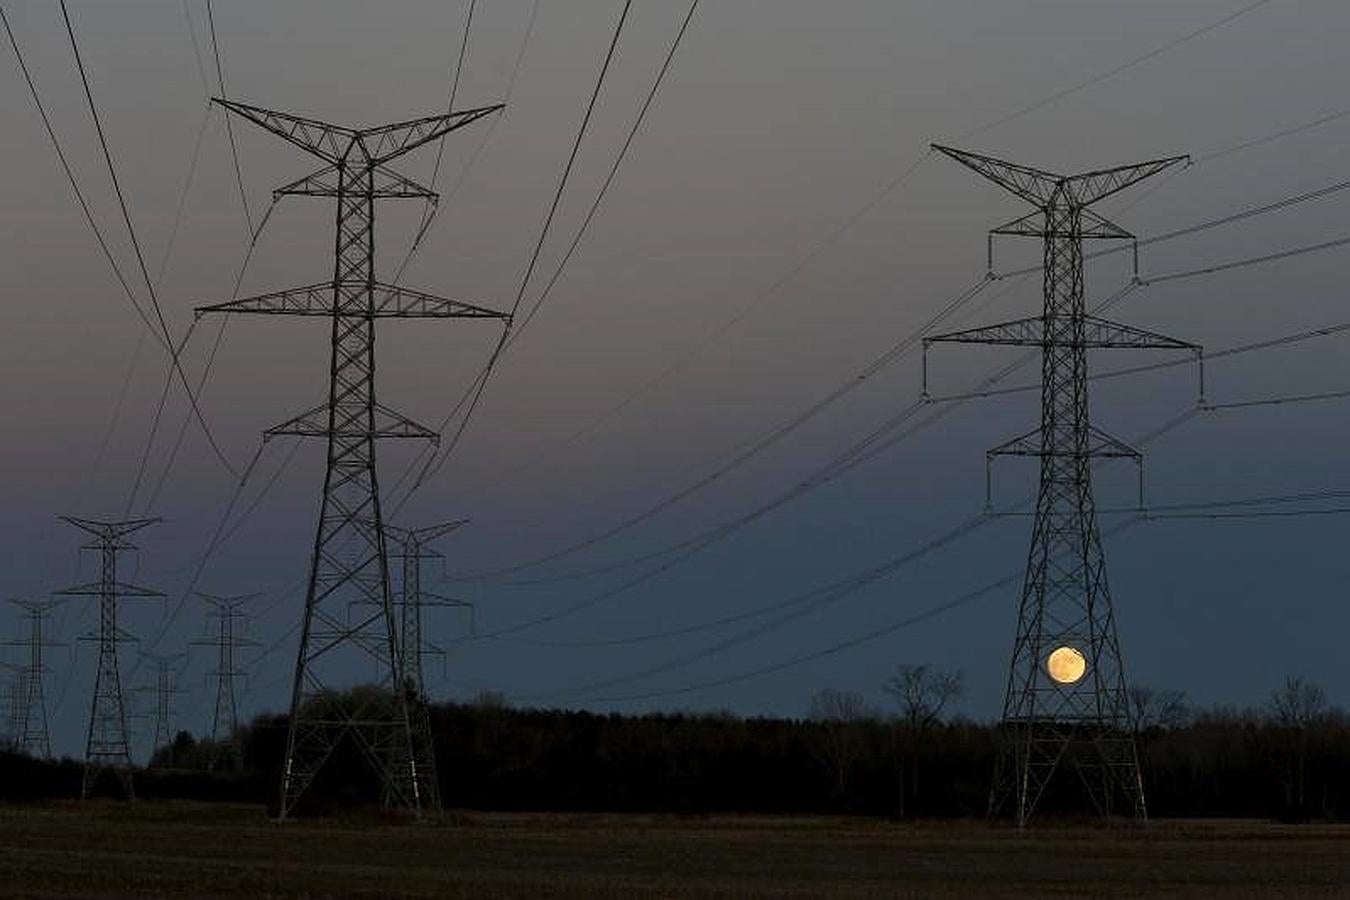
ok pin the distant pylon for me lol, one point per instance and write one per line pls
(32, 734)
(164, 689)
(349, 565)
(412, 549)
(107, 747)
(1066, 685)
(11, 699)
(229, 617)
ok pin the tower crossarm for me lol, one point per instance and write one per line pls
(1105, 334)
(1089, 226)
(399, 302)
(110, 530)
(123, 590)
(387, 142)
(387, 302)
(1042, 188)
(1033, 185)
(387, 185)
(430, 598)
(388, 424)
(1090, 187)
(227, 604)
(1100, 444)
(1030, 332)
(117, 635)
(419, 536)
(322, 139)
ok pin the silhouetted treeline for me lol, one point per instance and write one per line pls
(492, 757)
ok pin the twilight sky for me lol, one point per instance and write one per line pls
(709, 294)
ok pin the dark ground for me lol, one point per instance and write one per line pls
(179, 849)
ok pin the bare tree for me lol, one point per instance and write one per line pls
(1299, 705)
(1153, 708)
(839, 712)
(921, 692)
(489, 699)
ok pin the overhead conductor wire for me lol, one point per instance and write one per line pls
(433, 463)
(135, 243)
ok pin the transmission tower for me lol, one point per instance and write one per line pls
(11, 695)
(107, 747)
(412, 549)
(167, 670)
(349, 568)
(229, 618)
(1065, 700)
(31, 731)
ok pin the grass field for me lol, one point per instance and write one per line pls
(155, 849)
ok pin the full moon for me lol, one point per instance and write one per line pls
(1065, 665)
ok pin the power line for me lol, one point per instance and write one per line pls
(1149, 512)
(229, 127)
(800, 605)
(1255, 346)
(154, 422)
(220, 332)
(1113, 72)
(883, 631)
(1257, 514)
(159, 278)
(431, 205)
(168, 621)
(859, 452)
(571, 157)
(780, 432)
(848, 644)
(135, 243)
(1239, 216)
(856, 455)
(433, 465)
(159, 281)
(1249, 261)
(1274, 136)
(614, 170)
(1278, 401)
(208, 367)
(454, 88)
(75, 184)
(430, 216)
(910, 341)
(706, 339)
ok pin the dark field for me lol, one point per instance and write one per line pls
(170, 849)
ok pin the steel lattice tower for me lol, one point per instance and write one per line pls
(411, 549)
(31, 732)
(349, 568)
(225, 721)
(1066, 623)
(11, 697)
(107, 746)
(164, 689)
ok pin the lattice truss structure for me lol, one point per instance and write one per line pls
(410, 547)
(348, 604)
(31, 730)
(167, 667)
(107, 745)
(1065, 699)
(227, 615)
